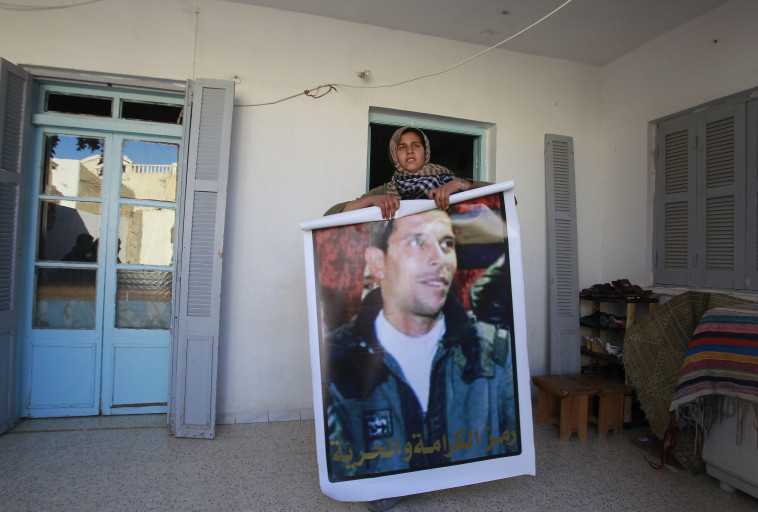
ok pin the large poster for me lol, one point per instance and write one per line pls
(418, 346)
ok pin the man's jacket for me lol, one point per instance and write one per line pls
(375, 423)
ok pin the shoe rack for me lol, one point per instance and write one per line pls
(599, 310)
(599, 357)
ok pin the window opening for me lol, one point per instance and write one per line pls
(154, 112)
(77, 104)
(453, 150)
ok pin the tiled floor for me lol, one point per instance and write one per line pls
(133, 464)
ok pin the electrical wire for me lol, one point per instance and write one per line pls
(196, 12)
(314, 92)
(17, 7)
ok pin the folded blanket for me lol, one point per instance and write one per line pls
(720, 369)
(654, 350)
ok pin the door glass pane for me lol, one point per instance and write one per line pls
(146, 235)
(149, 170)
(64, 298)
(143, 299)
(68, 231)
(73, 166)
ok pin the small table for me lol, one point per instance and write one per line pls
(610, 410)
(563, 401)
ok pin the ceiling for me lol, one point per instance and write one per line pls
(589, 31)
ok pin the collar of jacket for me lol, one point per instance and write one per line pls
(356, 357)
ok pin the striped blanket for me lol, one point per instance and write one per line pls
(721, 362)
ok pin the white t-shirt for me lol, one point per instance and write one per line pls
(414, 354)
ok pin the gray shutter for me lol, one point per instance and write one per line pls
(15, 97)
(675, 203)
(194, 348)
(721, 198)
(751, 203)
(562, 255)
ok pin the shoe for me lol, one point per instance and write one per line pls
(593, 320)
(628, 289)
(383, 504)
(606, 320)
(594, 344)
(601, 291)
(613, 350)
(610, 321)
(616, 322)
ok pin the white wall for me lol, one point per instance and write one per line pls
(299, 157)
(307, 154)
(679, 70)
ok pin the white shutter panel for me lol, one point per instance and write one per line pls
(194, 351)
(675, 202)
(562, 255)
(15, 89)
(721, 196)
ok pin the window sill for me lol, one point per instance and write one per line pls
(666, 292)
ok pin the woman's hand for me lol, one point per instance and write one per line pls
(386, 203)
(441, 195)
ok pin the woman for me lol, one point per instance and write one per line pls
(415, 177)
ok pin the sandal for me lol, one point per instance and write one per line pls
(628, 289)
(602, 291)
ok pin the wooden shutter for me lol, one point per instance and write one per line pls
(15, 89)
(675, 204)
(751, 202)
(721, 198)
(563, 268)
(194, 350)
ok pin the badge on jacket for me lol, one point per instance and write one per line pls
(377, 424)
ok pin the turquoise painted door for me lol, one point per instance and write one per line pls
(103, 210)
(139, 278)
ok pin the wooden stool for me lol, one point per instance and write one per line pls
(610, 410)
(563, 401)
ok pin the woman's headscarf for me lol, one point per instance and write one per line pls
(415, 185)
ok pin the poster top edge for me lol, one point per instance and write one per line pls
(407, 207)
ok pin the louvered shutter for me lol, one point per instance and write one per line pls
(721, 198)
(562, 255)
(751, 203)
(15, 88)
(675, 206)
(194, 350)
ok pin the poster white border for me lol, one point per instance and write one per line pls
(414, 482)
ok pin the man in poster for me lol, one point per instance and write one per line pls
(413, 382)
